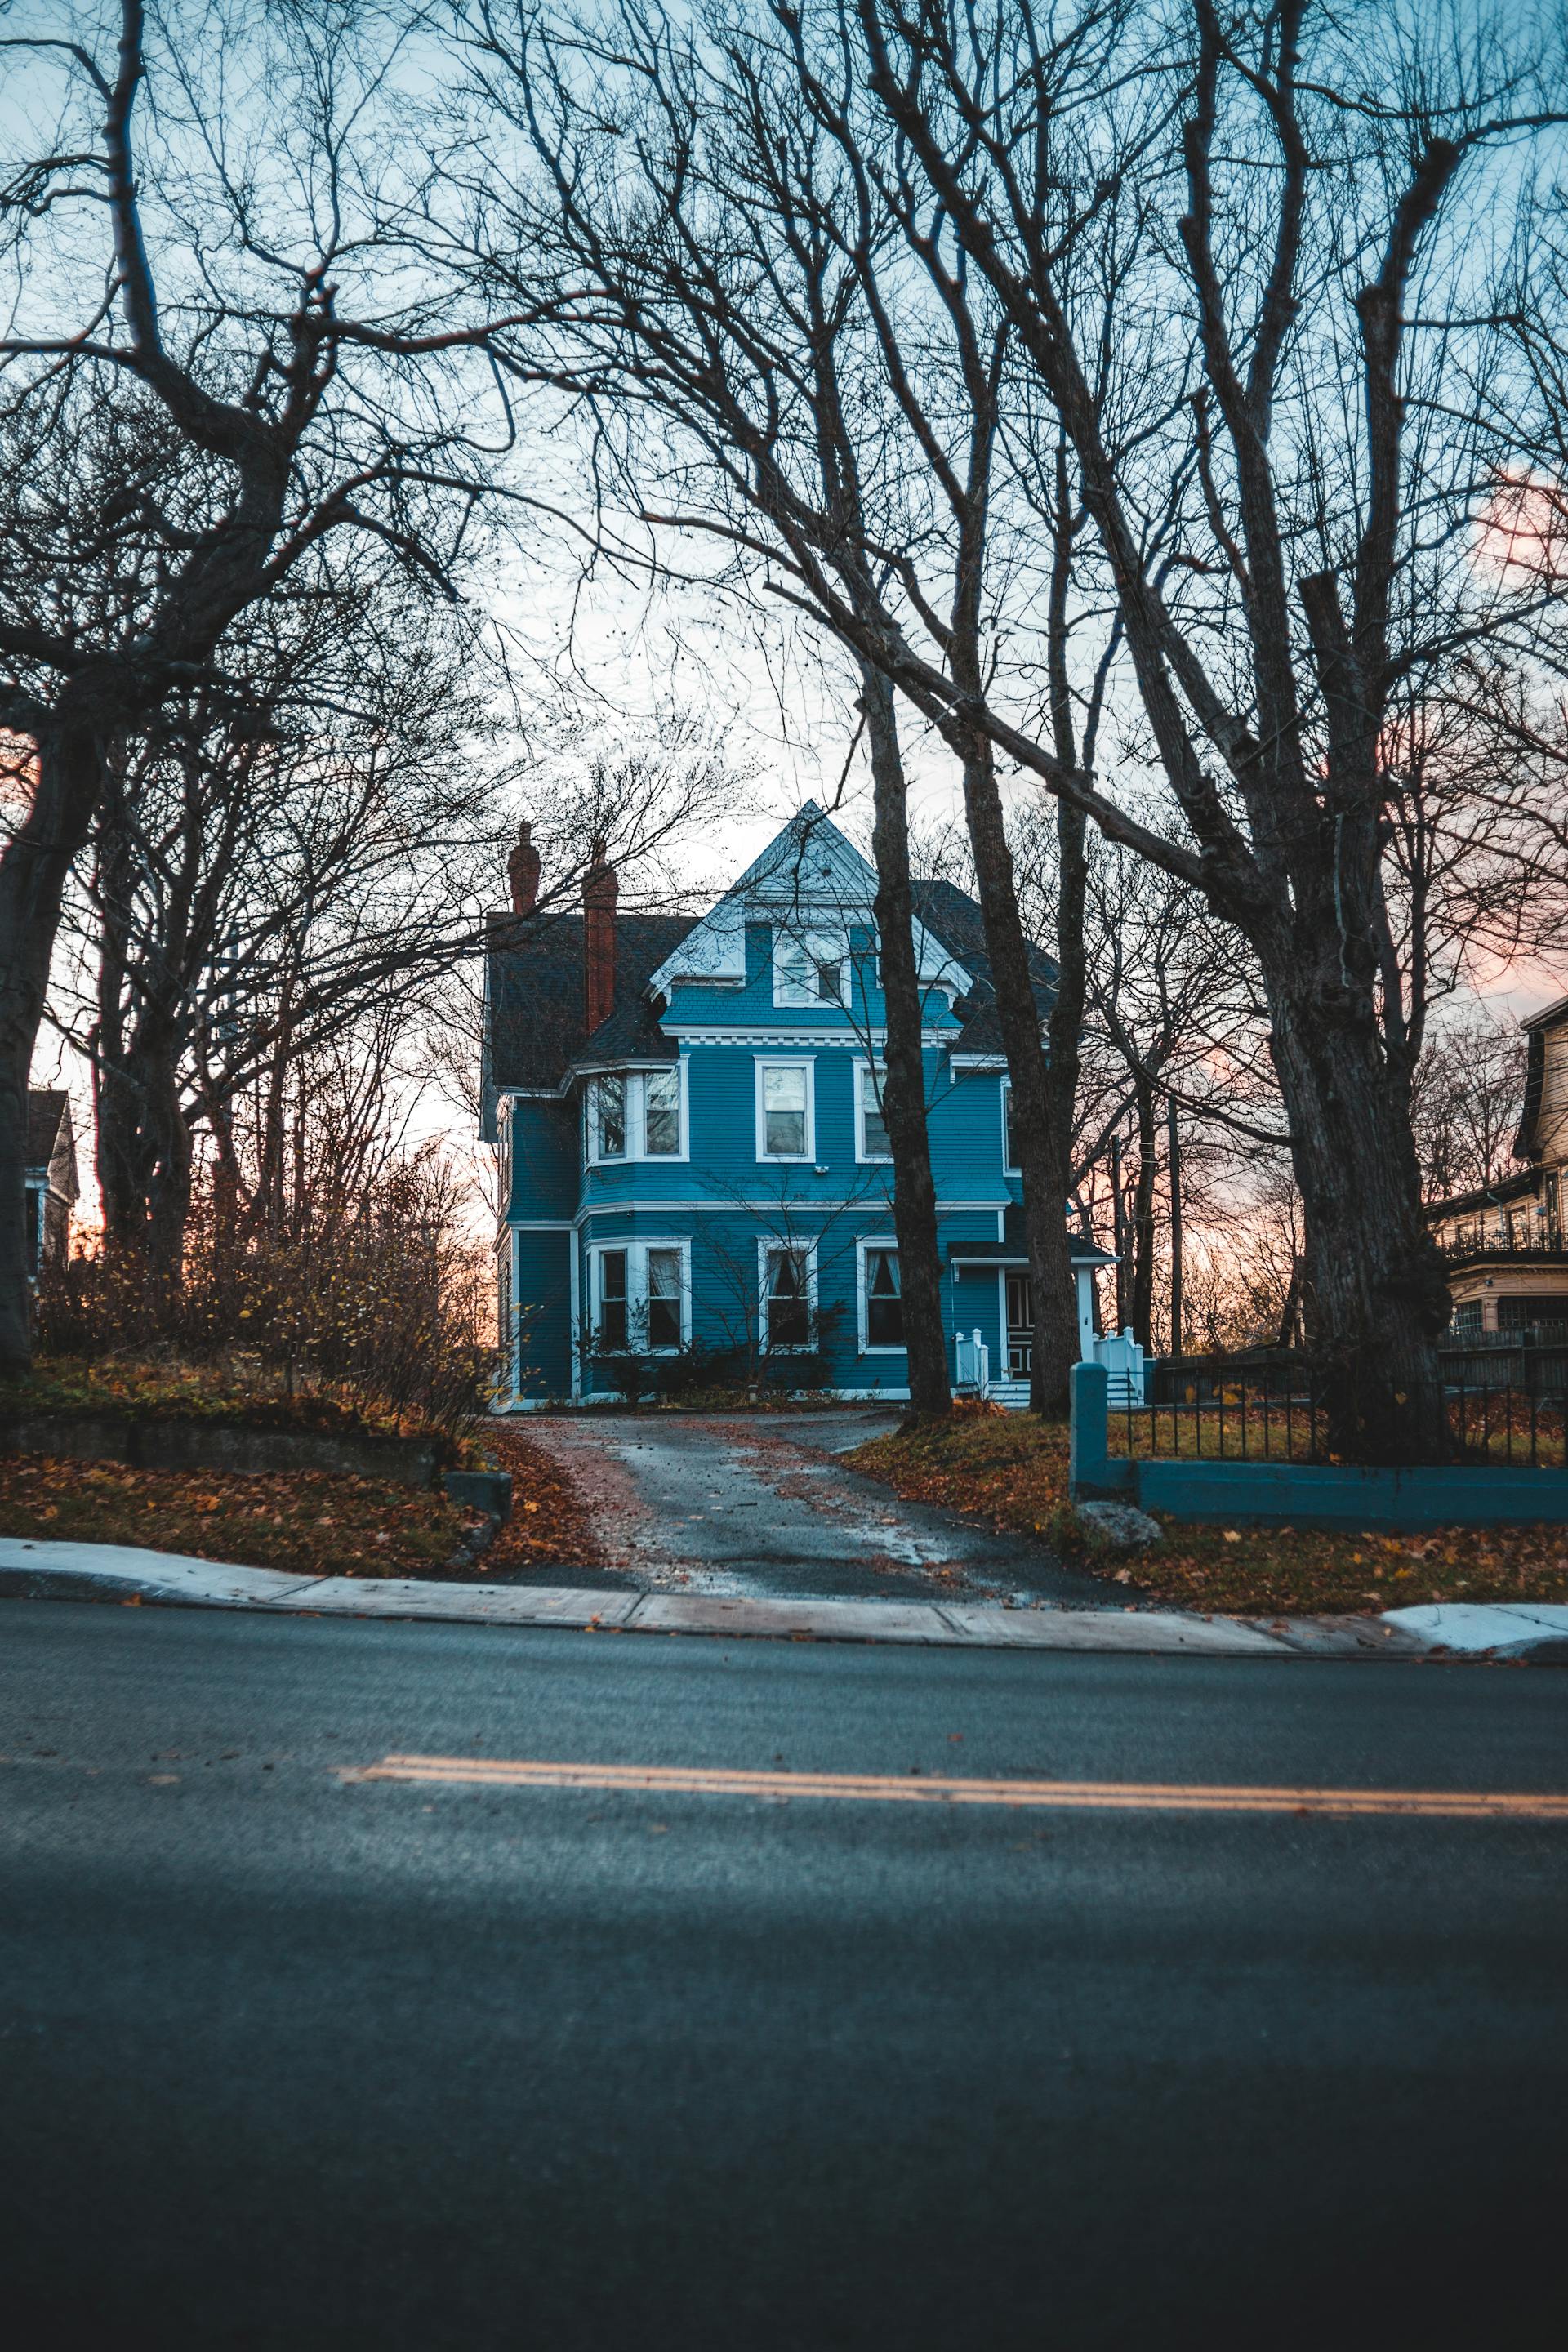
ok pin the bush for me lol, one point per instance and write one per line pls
(384, 1306)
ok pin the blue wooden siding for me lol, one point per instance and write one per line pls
(722, 1202)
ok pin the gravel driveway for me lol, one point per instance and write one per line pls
(760, 1503)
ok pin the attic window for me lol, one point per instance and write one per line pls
(810, 969)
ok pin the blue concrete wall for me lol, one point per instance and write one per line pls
(1265, 1494)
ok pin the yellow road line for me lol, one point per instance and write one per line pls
(883, 1788)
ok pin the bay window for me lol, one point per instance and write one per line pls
(637, 1114)
(608, 1119)
(661, 1113)
(662, 1308)
(610, 1322)
(640, 1297)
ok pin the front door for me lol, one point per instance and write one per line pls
(1020, 1327)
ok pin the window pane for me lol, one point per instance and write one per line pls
(874, 1141)
(784, 1111)
(610, 1106)
(830, 981)
(884, 1301)
(613, 1299)
(664, 1298)
(787, 1302)
(662, 1112)
(1012, 1160)
(792, 983)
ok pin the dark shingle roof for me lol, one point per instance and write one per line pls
(46, 1106)
(535, 1024)
(957, 920)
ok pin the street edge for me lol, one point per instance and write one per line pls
(1486, 1633)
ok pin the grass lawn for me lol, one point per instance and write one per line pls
(312, 1520)
(236, 1387)
(1011, 1472)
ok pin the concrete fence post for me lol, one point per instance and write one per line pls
(1090, 1470)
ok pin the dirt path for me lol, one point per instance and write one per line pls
(761, 1503)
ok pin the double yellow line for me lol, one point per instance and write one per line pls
(922, 1788)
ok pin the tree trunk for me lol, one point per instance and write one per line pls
(903, 1084)
(33, 873)
(1035, 1131)
(1375, 1286)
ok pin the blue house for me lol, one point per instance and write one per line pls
(695, 1169)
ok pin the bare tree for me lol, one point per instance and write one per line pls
(1468, 1093)
(210, 368)
(1310, 355)
(777, 358)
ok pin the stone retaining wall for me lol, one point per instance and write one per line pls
(147, 1443)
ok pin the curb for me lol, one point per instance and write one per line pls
(1512, 1632)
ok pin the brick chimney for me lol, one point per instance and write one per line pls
(522, 872)
(599, 895)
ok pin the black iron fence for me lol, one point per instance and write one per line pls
(1501, 1405)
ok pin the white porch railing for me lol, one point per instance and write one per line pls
(1124, 1362)
(973, 1362)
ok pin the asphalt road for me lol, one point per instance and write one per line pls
(291, 2060)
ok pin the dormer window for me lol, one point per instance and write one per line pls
(810, 968)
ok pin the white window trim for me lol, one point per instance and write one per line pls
(808, 1249)
(635, 1079)
(862, 1252)
(868, 1159)
(636, 1248)
(820, 946)
(807, 1062)
(1004, 1096)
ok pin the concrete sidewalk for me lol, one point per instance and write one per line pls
(1514, 1631)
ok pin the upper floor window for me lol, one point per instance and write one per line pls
(608, 1119)
(810, 968)
(1009, 1136)
(637, 1115)
(871, 1140)
(786, 1110)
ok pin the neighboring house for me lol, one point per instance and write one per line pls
(51, 1178)
(1507, 1245)
(693, 1155)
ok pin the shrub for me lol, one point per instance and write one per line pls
(384, 1305)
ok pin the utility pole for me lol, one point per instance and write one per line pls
(1173, 1158)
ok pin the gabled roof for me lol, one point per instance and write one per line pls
(809, 873)
(536, 1029)
(48, 1129)
(954, 919)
